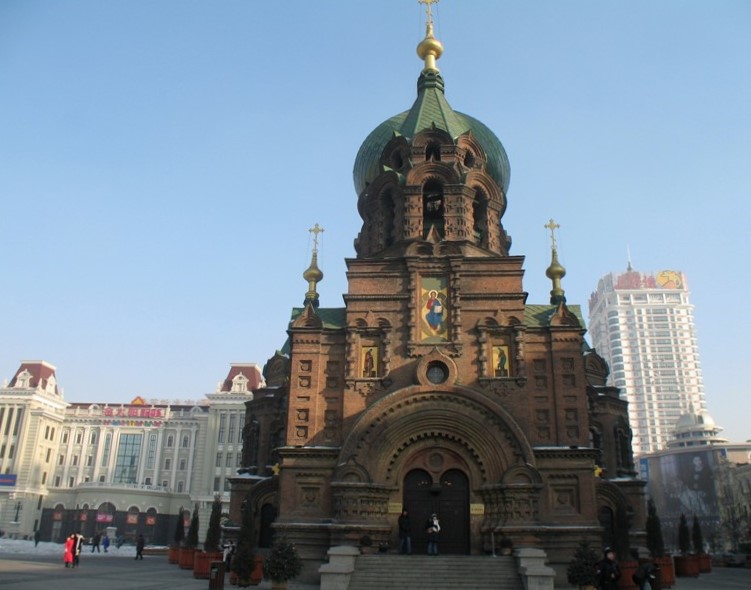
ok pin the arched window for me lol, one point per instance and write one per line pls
(186, 441)
(432, 208)
(433, 152)
(480, 218)
(170, 441)
(105, 514)
(388, 218)
(131, 521)
(151, 520)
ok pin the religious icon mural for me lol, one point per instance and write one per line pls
(433, 312)
(500, 361)
(369, 362)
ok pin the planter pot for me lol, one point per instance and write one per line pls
(185, 558)
(705, 563)
(628, 568)
(687, 566)
(257, 574)
(202, 563)
(173, 554)
(667, 571)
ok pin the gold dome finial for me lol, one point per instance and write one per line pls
(313, 274)
(555, 272)
(430, 48)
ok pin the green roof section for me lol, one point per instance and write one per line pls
(535, 316)
(538, 316)
(333, 318)
(430, 108)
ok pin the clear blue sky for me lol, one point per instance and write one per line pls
(161, 163)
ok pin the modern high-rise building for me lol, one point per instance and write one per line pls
(643, 325)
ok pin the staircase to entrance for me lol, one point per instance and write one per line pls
(435, 572)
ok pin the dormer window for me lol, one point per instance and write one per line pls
(240, 384)
(23, 381)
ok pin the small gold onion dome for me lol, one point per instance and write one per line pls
(430, 49)
(313, 274)
(555, 270)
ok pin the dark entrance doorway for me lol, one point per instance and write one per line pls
(449, 499)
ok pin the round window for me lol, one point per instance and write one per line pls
(437, 372)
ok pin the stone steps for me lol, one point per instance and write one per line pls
(442, 572)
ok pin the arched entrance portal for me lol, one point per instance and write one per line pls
(449, 499)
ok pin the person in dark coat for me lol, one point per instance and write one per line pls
(140, 542)
(37, 537)
(95, 540)
(432, 529)
(105, 542)
(607, 571)
(77, 548)
(645, 575)
(405, 534)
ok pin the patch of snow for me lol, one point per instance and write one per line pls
(19, 547)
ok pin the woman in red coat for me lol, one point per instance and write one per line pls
(70, 544)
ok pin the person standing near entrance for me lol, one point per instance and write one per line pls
(433, 528)
(607, 571)
(405, 534)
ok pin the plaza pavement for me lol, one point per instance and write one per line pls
(20, 571)
(45, 572)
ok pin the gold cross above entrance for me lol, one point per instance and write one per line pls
(428, 8)
(315, 230)
(552, 226)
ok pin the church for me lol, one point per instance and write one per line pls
(438, 388)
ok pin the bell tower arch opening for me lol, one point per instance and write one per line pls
(480, 218)
(432, 208)
(388, 218)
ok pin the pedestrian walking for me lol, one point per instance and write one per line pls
(95, 542)
(37, 537)
(229, 553)
(140, 542)
(645, 575)
(105, 542)
(77, 548)
(405, 534)
(70, 544)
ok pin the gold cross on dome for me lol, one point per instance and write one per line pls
(552, 226)
(315, 230)
(428, 8)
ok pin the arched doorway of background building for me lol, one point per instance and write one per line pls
(266, 533)
(449, 499)
(607, 522)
